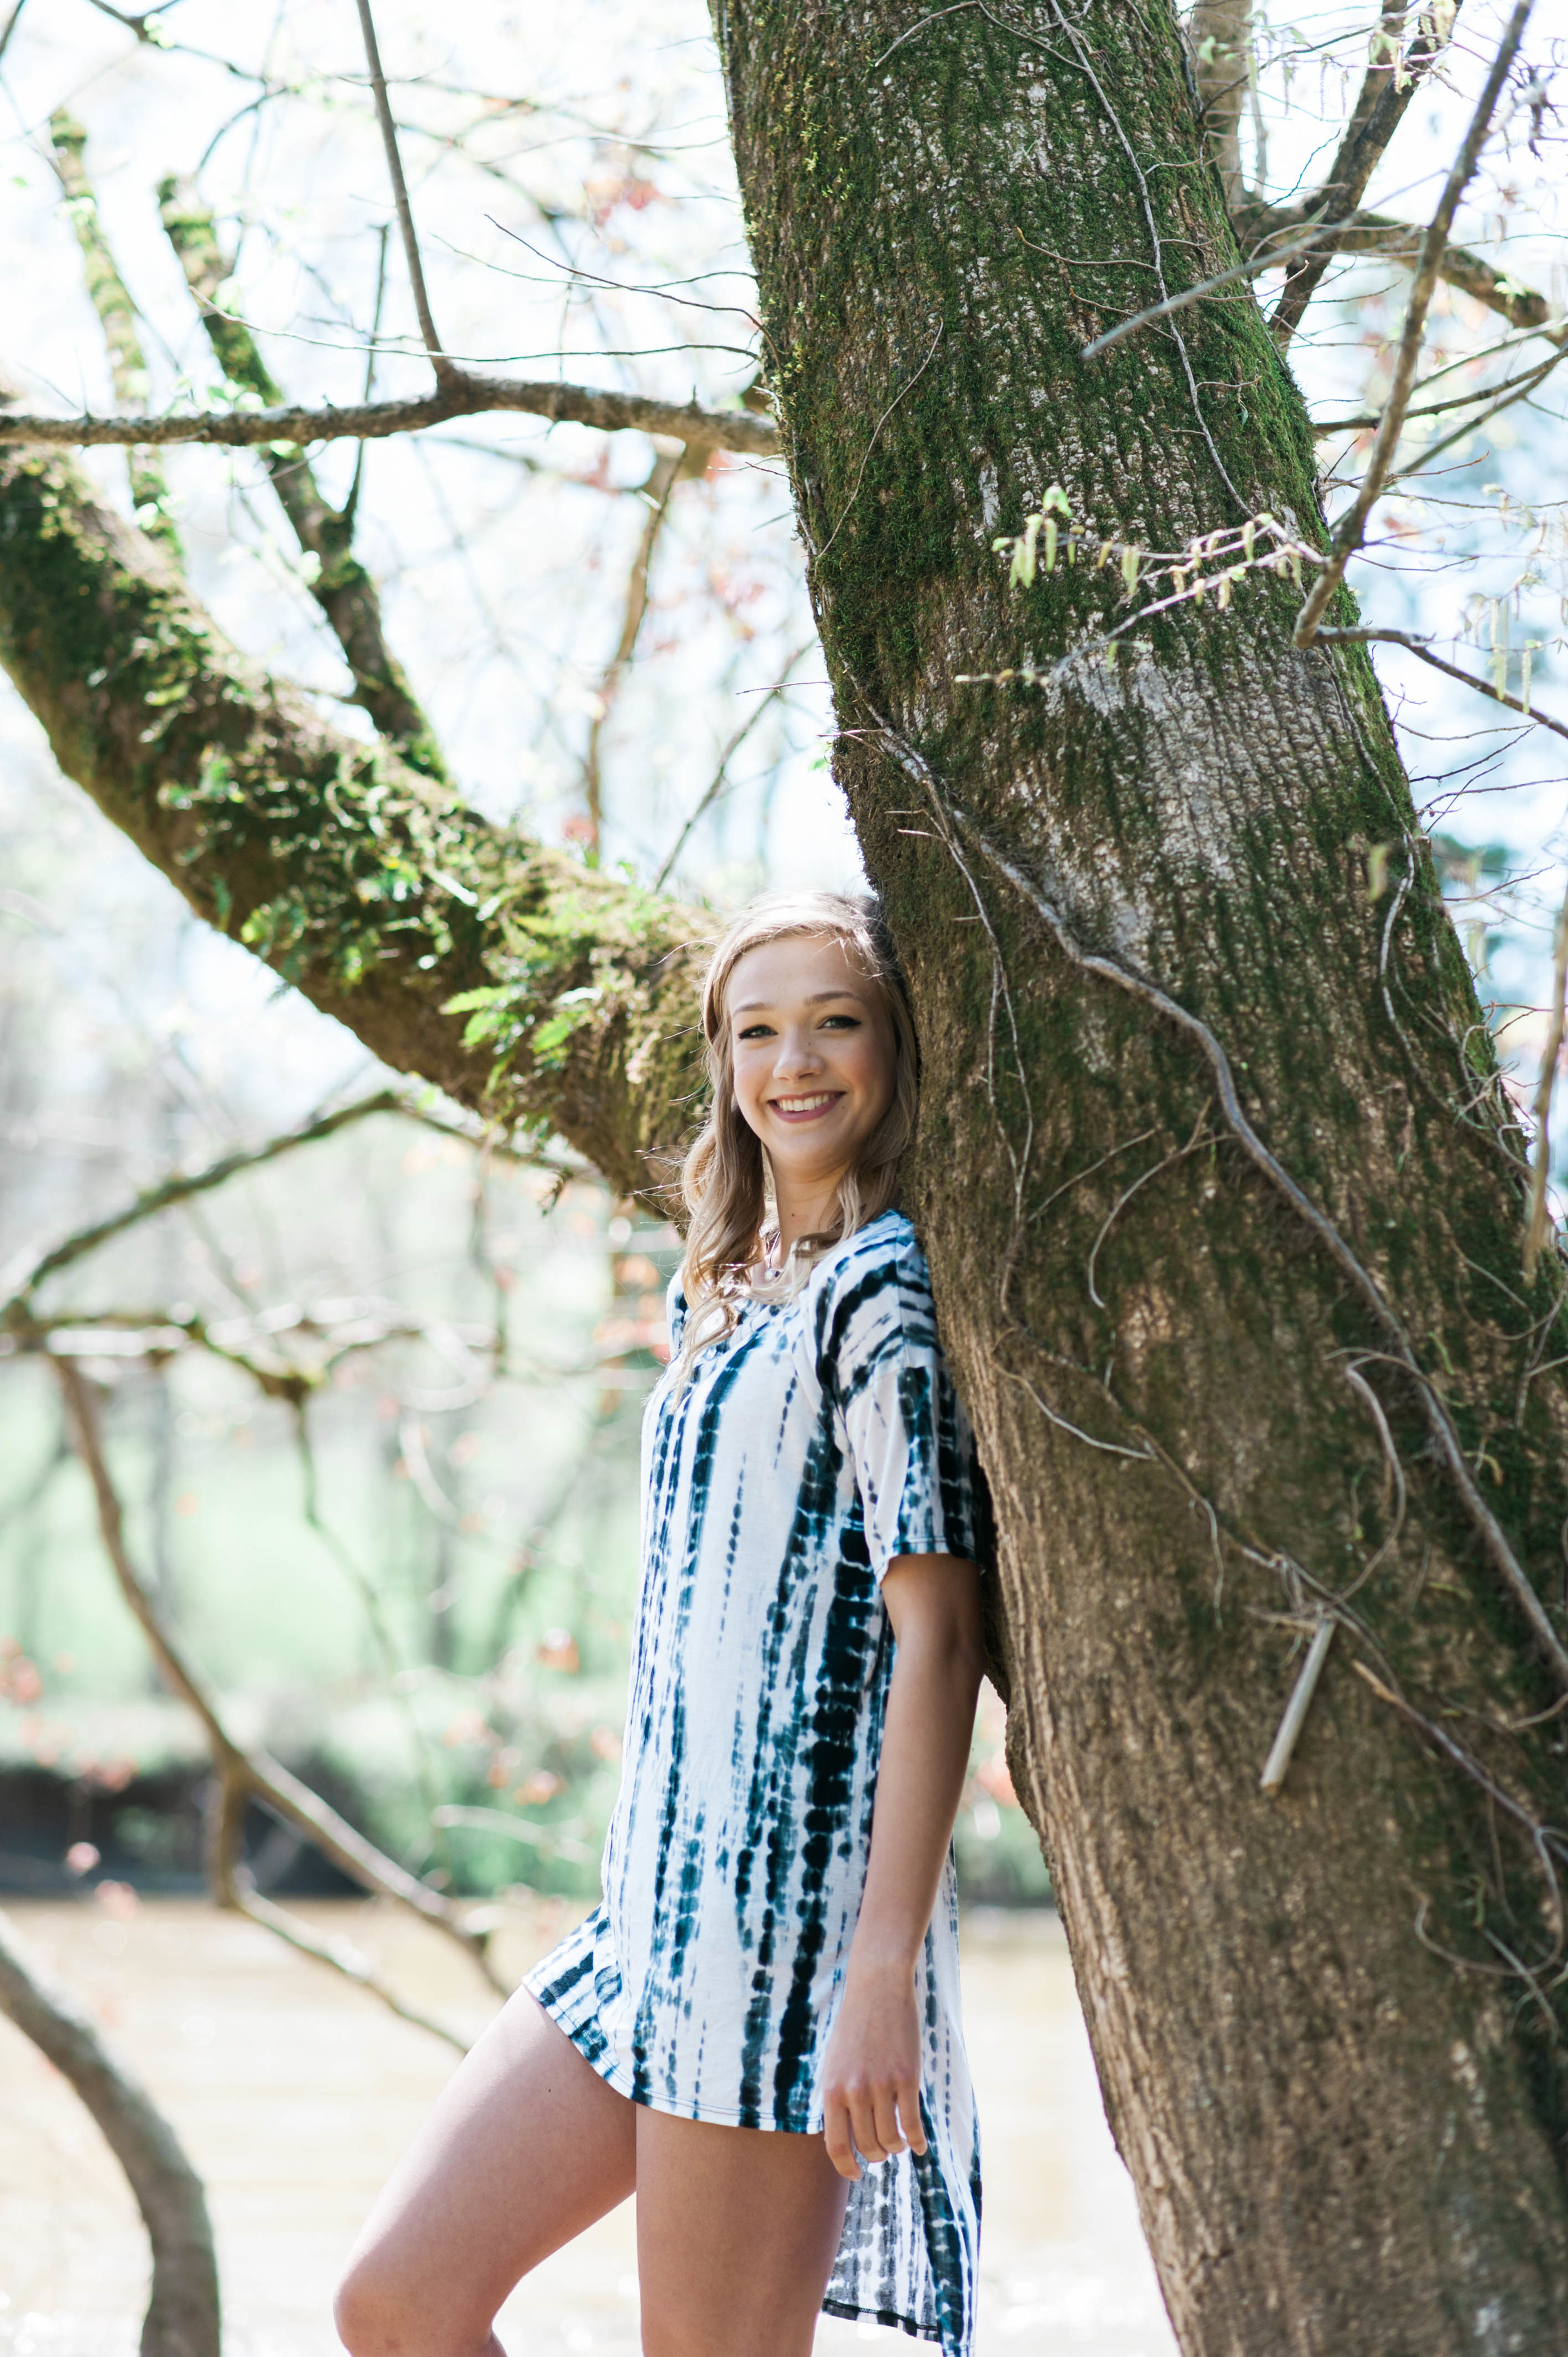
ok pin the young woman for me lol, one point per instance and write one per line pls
(757, 2030)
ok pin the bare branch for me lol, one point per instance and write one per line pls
(341, 586)
(443, 367)
(1253, 267)
(267, 1778)
(668, 468)
(1373, 637)
(127, 363)
(1349, 531)
(716, 783)
(460, 396)
(182, 2318)
(180, 1187)
(1401, 242)
(1378, 113)
(233, 1887)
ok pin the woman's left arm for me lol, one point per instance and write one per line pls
(871, 2091)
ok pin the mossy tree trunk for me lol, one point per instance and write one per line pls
(1327, 2024)
(1343, 2141)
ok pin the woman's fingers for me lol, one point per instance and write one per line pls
(873, 2121)
(838, 2138)
(883, 2107)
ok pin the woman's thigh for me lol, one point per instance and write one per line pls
(736, 2231)
(525, 2146)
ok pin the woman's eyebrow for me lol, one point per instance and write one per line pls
(761, 1006)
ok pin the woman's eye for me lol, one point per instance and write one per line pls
(754, 1031)
(841, 1023)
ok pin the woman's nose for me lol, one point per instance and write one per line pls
(798, 1052)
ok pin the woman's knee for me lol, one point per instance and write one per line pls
(366, 2309)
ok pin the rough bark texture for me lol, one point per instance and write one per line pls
(1342, 2142)
(182, 2318)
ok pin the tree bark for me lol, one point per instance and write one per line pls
(182, 2318)
(1327, 2043)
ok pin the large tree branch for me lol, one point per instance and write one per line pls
(368, 886)
(1378, 110)
(182, 2318)
(1401, 242)
(463, 395)
(342, 587)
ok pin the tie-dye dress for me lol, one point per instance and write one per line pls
(820, 1440)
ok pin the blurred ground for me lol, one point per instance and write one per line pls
(294, 2092)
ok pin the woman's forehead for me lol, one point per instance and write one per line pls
(800, 965)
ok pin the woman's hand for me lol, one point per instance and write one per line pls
(871, 2072)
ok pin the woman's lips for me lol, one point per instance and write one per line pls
(807, 1106)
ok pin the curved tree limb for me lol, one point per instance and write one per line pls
(182, 2318)
(462, 395)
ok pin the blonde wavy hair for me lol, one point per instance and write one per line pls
(724, 1178)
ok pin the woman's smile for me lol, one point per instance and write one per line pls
(807, 1108)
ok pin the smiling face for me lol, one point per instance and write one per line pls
(812, 1052)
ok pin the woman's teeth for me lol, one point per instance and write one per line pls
(807, 1105)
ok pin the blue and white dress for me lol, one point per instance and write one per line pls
(819, 1440)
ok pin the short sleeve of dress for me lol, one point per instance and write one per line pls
(675, 1313)
(880, 1360)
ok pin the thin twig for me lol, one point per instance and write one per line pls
(1086, 68)
(180, 1187)
(1348, 532)
(233, 1887)
(443, 367)
(1295, 1719)
(1536, 1222)
(658, 491)
(715, 783)
(460, 394)
(1325, 636)
(1398, 241)
(865, 457)
(1252, 268)
(1542, 1838)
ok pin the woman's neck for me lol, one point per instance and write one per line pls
(803, 1210)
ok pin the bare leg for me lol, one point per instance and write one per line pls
(525, 2146)
(736, 2230)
